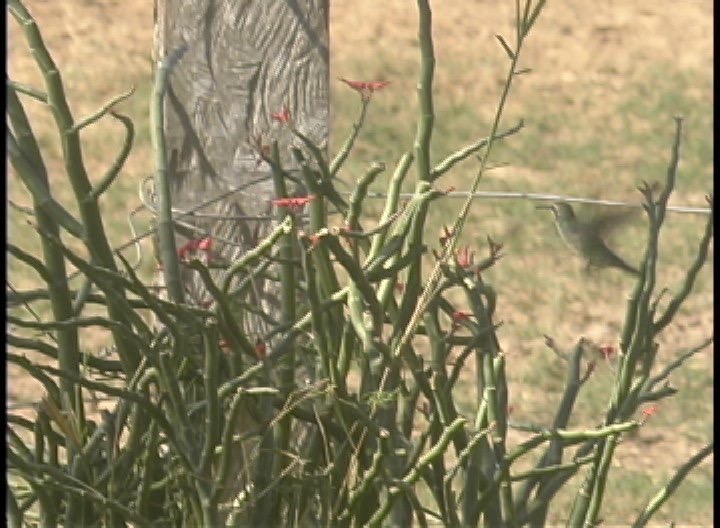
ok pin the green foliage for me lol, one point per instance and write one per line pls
(351, 411)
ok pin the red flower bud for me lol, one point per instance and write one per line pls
(283, 116)
(458, 317)
(294, 204)
(314, 239)
(465, 257)
(607, 351)
(260, 349)
(647, 413)
(366, 88)
(205, 244)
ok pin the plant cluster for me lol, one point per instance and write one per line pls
(345, 414)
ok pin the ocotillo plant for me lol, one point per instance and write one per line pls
(360, 427)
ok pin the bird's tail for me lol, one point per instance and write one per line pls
(626, 267)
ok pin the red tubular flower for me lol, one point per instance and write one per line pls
(607, 351)
(293, 202)
(465, 257)
(374, 86)
(461, 316)
(365, 88)
(295, 205)
(260, 349)
(283, 116)
(458, 317)
(647, 413)
(314, 239)
(190, 247)
(205, 244)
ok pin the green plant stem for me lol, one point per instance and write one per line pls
(553, 455)
(149, 465)
(259, 251)
(550, 470)
(114, 171)
(165, 231)
(391, 202)
(674, 365)
(269, 465)
(326, 276)
(426, 116)
(145, 403)
(27, 90)
(109, 281)
(237, 419)
(318, 323)
(600, 472)
(54, 263)
(166, 235)
(102, 112)
(656, 502)
(94, 237)
(441, 388)
(636, 337)
(359, 194)
(67, 483)
(42, 199)
(568, 437)
(15, 298)
(430, 289)
(700, 258)
(339, 160)
(460, 155)
(414, 474)
(359, 279)
(14, 514)
(211, 378)
(228, 323)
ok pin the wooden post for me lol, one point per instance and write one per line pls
(246, 60)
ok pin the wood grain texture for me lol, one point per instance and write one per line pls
(246, 59)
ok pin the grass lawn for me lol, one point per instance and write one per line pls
(605, 81)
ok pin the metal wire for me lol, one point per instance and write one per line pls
(147, 195)
(552, 198)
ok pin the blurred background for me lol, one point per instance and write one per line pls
(605, 81)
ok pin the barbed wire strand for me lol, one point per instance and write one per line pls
(146, 199)
(552, 198)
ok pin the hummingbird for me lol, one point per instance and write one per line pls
(585, 239)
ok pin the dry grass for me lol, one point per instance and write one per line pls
(607, 78)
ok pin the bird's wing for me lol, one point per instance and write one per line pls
(604, 223)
